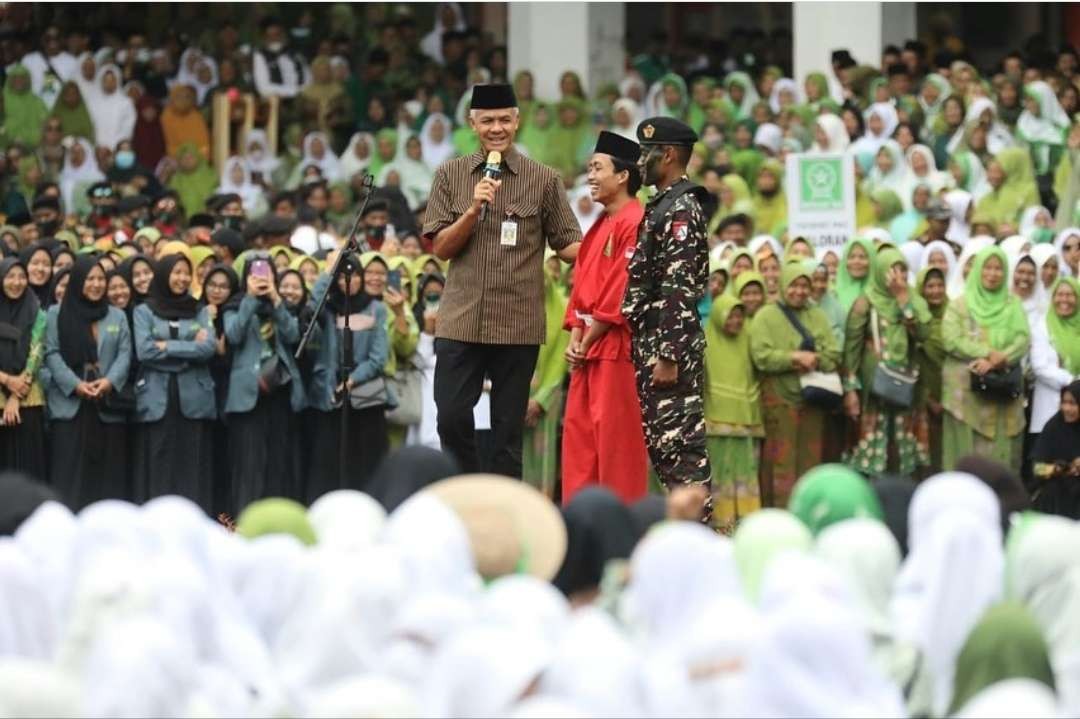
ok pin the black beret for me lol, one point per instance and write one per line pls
(46, 202)
(492, 97)
(132, 203)
(617, 146)
(665, 131)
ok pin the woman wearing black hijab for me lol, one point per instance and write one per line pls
(221, 293)
(139, 273)
(57, 286)
(599, 528)
(88, 354)
(174, 398)
(346, 443)
(38, 262)
(264, 390)
(22, 349)
(1057, 458)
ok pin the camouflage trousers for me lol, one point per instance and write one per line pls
(674, 419)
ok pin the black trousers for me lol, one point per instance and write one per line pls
(460, 369)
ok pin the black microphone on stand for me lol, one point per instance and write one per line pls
(492, 170)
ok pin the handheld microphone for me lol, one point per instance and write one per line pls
(492, 170)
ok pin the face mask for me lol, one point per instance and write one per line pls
(377, 232)
(233, 222)
(432, 299)
(125, 159)
(1042, 235)
(48, 229)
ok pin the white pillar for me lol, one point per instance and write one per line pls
(898, 23)
(819, 28)
(550, 38)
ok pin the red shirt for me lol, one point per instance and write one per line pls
(600, 280)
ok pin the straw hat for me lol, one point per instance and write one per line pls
(512, 527)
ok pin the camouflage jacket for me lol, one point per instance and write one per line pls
(668, 275)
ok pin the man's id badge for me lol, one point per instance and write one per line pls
(508, 236)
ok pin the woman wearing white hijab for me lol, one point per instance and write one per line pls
(1044, 254)
(414, 177)
(784, 84)
(769, 137)
(448, 16)
(960, 203)
(435, 140)
(625, 114)
(79, 171)
(884, 117)
(205, 78)
(1069, 261)
(1015, 245)
(584, 208)
(1037, 224)
(930, 258)
(28, 627)
(1042, 124)
(257, 154)
(357, 155)
(760, 241)
(972, 247)
(236, 180)
(998, 136)
(112, 111)
(953, 573)
(317, 152)
(830, 135)
(923, 171)
(814, 661)
(895, 177)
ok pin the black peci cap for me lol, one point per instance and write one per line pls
(665, 131)
(492, 97)
(617, 146)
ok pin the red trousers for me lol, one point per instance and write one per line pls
(603, 441)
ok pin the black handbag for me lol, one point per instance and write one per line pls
(894, 387)
(1000, 385)
(273, 375)
(819, 389)
(120, 400)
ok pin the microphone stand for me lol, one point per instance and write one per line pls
(345, 350)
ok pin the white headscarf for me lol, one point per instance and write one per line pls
(28, 628)
(633, 110)
(436, 153)
(1029, 217)
(834, 129)
(953, 573)
(1059, 244)
(1042, 254)
(367, 695)
(350, 164)
(784, 83)
(889, 120)
(971, 248)
(912, 252)
(431, 44)
(113, 114)
(34, 690)
(203, 88)
(813, 661)
(524, 600)
(585, 219)
(346, 520)
(88, 88)
(1015, 698)
(1051, 124)
(944, 248)
(937, 180)
(759, 241)
(959, 201)
(328, 163)
(998, 136)
(263, 162)
(1015, 245)
(897, 179)
(71, 176)
(250, 193)
(434, 546)
(769, 136)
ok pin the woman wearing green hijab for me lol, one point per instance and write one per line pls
(816, 88)
(794, 430)
(732, 412)
(275, 515)
(740, 88)
(1013, 189)
(831, 493)
(746, 160)
(1007, 643)
(697, 111)
(770, 201)
(194, 181)
(523, 91)
(749, 289)
(72, 112)
(386, 148)
(569, 139)
(24, 112)
(535, 134)
(539, 464)
(885, 325)
(735, 199)
(853, 274)
(930, 285)
(760, 539)
(668, 97)
(986, 329)
(887, 207)
(1043, 126)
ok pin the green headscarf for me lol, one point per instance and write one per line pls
(375, 167)
(730, 398)
(877, 289)
(889, 206)
(790, 272)
(74, 121)
(565, 143)
(532, 137)
(761, 537)
(999, 311)
(674, 80)
(1065, 331)
(831, 493)
(23, 182)
(920, 282)
(24, 112)
(275, 515)
(697, 115)
(1007, 643)
(750, 95)
(743, 201)
(196, 186)
(848, 288)
(741, 252)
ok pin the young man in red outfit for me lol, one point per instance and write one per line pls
(603, 442)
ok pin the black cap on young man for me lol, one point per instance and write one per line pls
(617, 146)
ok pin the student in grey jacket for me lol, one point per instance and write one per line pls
(88, 354)
(174, 397)
(346, 443)
(265, 389)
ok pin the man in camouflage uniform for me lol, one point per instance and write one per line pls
(668, 274)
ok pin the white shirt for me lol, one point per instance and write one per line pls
(1050, 378)
(63, 63)
(292, 77)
